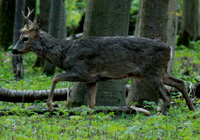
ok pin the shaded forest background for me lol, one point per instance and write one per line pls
(72, 20)
(23, 115)
(75, 14)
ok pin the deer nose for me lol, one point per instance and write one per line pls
(15, 51)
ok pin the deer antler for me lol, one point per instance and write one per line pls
(27, 17)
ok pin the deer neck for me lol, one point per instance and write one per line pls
(50, 48)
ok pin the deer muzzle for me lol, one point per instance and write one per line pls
(14, 51)
(18, 48)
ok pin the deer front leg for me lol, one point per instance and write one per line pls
(50, 97)
(91, 87)
(73, 77)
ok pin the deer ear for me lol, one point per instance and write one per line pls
(37, 22)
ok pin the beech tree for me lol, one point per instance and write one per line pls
(104, 18)
(55, 28)
(45, 6)
(18, 24)
(189, 22)
(157, 20)
(172, 26)
(63, 30)
(54, 25)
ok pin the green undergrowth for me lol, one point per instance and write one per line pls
(34, 79)
(187, 62)
(21, 124)
(177, 125)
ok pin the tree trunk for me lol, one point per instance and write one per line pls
(153, 21)
(152, 24)
(172, 30)
(45, 6)
(17, 61)
(189, 23)
(7, 13)
(32, 5)
(55, 14)
(137, 31)
(54, 28)
(104, 18)
(63, 29)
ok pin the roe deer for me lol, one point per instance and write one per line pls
(94, 59)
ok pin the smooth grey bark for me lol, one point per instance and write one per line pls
(7, 14)
(63, 29)
(30, 96)
(189, 23)
(54, 28)
(137, 31)
(111, 18)
(45, 6)
(104, 18)
(154, 17)
(17, 61)
(54, 24)
(172, 30)
(153, 21)
(32, 5)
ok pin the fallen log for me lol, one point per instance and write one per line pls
(30, 96)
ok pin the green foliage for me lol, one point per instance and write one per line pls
(74, 11)
(135, 6)
(101, 126)
(187, 62)
(34, 79)
(37, 7)
(180, 2)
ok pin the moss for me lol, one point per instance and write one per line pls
(73, 104)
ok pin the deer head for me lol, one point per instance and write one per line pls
(29, 33)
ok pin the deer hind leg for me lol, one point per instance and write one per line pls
(165, 95)
(180, 85)
(61, 77)
(91, 87)
(154, 82)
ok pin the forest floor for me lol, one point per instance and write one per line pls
(180, 123)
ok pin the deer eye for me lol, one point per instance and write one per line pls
(25, 39)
